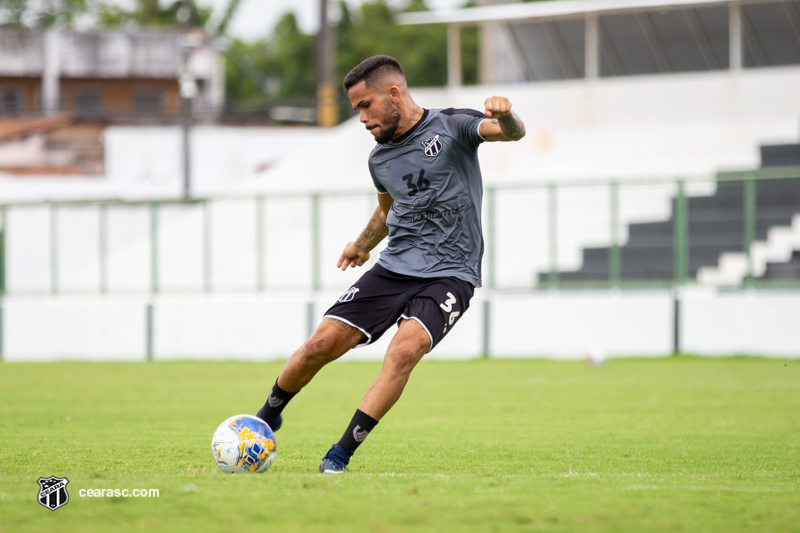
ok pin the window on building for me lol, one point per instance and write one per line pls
(149, 103)
(10, 102)
(87, 102)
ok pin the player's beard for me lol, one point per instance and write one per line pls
(392, 120)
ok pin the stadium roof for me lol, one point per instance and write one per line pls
(570, 39)
(524, 11)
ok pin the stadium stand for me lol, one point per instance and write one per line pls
(715, 228)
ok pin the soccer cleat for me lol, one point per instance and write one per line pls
(328, 466)
(335, 461)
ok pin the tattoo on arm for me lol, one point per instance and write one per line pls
(375, 231)
(511, 126)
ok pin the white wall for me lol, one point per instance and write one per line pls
(563, 325)
(268, 327)
(751, 322)
(89, 329)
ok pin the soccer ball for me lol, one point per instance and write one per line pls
(243, 443)
(595, 356)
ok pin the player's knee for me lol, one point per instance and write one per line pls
(325, 345)
(318, 350)
(403, 358)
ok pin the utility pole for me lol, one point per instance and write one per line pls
(327, 110)
(188, 89)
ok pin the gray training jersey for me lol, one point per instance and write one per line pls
(433, 175)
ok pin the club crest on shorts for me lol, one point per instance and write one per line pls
(432, 146)
(53, 492)
(349, 295)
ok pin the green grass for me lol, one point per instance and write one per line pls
(680, 444)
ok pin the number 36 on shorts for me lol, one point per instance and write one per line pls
(447, 307)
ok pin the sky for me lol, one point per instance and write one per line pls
(256, 18)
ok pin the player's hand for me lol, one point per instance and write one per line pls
(497, 106)
(352, 256)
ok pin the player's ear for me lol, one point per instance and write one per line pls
(394, 93)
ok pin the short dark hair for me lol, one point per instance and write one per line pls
(371, 70)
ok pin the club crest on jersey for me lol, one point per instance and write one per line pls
(349, 295)
(432, 146)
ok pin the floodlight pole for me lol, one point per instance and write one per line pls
(190, 40)
(188, 88)
(327, 111)
(186, 128)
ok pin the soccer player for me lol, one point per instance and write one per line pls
(425, 169)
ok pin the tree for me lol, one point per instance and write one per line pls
(150, 14)
(420, 49)
(271, 70)
(292, 58)
(43, 14)
(282, 67)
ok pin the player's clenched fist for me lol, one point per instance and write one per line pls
(497, 106)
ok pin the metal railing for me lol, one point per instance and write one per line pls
(545, 236)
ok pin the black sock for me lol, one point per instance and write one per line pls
(276, 401)
(357, 431)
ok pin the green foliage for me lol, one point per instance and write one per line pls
(420, 49)
(245, 65)
(151, 14)
(288, 59)
(674, 444)
(43, 14)
(268, 70)
(292, 58)
(469, 55)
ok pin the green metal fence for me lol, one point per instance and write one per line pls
(534, 234)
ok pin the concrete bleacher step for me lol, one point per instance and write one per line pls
(716, 234)
(785, 270)
(728, 230)
(782, 155)
(775, 257)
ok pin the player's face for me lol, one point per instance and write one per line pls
(375, 111)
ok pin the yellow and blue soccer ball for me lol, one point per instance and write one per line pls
(243, 443)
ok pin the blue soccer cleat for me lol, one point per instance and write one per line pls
(335, 461)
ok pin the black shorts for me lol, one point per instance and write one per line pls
(381, 298)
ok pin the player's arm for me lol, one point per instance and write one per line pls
(357, 253)
(501, 123)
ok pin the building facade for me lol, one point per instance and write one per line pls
(109, 76)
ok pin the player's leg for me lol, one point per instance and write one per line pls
(432, 311)
(408, 346)
(360, 316)
(332, 339)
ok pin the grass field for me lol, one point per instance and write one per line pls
(680, 444)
